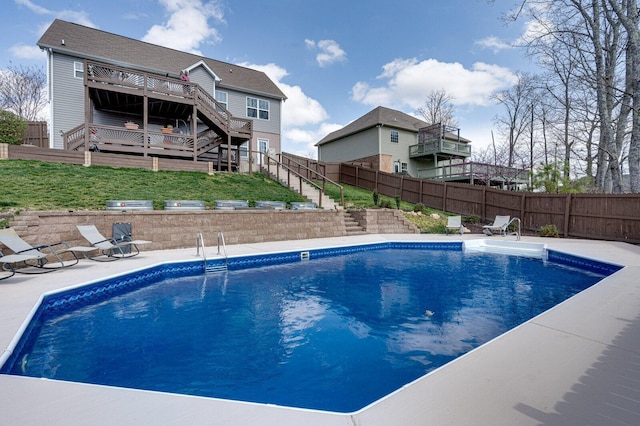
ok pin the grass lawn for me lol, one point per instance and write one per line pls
(37, 185)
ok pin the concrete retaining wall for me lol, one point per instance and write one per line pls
(384, 221)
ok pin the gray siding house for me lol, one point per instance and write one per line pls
(394, 142)
(112, 93)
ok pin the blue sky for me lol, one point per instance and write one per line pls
(334, 59)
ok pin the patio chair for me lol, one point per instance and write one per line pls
(110, 249)
(38, 256)
(7, 270)
(454, 224)
(499, 226)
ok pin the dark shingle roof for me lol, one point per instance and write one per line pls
(102, 46)
(379, 116)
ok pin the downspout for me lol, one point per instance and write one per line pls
(50, 94)
(380, 145)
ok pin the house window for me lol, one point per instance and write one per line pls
(404, 168)
(222, 97)
(394, 136)
(244, 150)
(78, 70)
(263, 145)
(258, 108)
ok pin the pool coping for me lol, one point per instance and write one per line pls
(500, 382)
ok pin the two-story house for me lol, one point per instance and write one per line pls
(113, 93)
(394, 142)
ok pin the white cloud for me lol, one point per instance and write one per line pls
(187, 26)
(409, 81)
(493, 43)
(78, 17)
(24, 51)
(330, 52)
(302, 116)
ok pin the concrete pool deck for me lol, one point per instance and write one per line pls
(578, 363)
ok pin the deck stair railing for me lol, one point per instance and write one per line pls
(285, 172)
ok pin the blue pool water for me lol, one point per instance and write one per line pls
(333, 333)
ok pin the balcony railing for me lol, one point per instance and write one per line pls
(440, 146)
(475, 171)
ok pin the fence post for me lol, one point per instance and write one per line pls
(484, 202)
(567, 214)
(523, 202)
(444, 198)
(376, 185)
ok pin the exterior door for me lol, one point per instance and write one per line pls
(263, 148)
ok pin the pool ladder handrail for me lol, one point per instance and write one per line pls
(517, 232)
(200, 244)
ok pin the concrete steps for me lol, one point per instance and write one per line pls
(352, 226)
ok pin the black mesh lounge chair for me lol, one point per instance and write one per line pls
(110, 249)
(43, 257)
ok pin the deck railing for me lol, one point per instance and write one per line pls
(473, 170)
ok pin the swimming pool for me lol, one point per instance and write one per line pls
(367, 317)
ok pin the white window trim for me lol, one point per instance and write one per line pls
(394, 132)
(78, 68)
(226, 104)
(244, 150)
(258, 109)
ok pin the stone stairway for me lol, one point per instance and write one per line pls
(352, 226)
(308, 191)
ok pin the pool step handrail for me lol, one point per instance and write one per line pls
(224, 250)
(517, 232)
(210, 268)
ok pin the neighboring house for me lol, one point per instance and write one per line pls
(97, 81)
(394, 142)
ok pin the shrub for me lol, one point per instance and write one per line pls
(398, 200)
(419, 207)
(549, 231)
(376, 198)
(471, 219)
(385, 204)
(12, 128)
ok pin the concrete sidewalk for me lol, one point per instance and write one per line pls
(575, 364)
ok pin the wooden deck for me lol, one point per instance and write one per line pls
(150, 98)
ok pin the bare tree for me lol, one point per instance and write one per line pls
(517, 102)
(627, 12)
(438, 108)
(22, 91)
(590, 34)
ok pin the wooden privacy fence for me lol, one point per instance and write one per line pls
(37, 134)
(614, 217)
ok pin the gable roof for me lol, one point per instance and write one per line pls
(90, 43)
(379, 116)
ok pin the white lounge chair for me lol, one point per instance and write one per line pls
(110, 248)
(39, 256)
(498, 226)
(454, 224)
